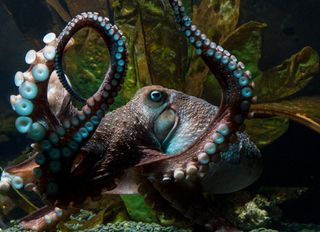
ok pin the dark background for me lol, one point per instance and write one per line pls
(293, 160)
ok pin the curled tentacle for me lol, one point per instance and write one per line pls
(112, 36)
(237, 87)
(60, 141)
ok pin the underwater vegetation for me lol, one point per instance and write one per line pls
(150, 48)
(154, 59)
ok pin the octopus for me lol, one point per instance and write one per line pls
(166, 145)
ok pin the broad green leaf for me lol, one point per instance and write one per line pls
(166, 49)
(289, 77)
(87, 62)
(154, 58)
(129, 20)
(304, 110)
(216, 19)
(138, 209)
(265, 131)
(245, 43)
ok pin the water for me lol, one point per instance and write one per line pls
(290, 162)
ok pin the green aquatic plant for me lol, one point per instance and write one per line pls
(154, 59)
(138, 210)
(276, 85)
(193, 77)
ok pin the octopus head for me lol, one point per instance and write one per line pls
(175, 119)
(156, 105)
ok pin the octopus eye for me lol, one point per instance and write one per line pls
(156, 96)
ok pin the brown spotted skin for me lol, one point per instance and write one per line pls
(164, 142)
(119, 141)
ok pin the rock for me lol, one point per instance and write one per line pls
(258, 212)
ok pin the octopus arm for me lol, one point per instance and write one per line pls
(59, 130)
(237, 88)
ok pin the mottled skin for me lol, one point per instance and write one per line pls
(123, 134)
(119, 143)
(134, 127)
(164, 144)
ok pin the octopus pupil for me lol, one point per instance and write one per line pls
(156, 96)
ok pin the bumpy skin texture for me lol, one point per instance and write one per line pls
(123, 134)
(118, 144)
(168, 146)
